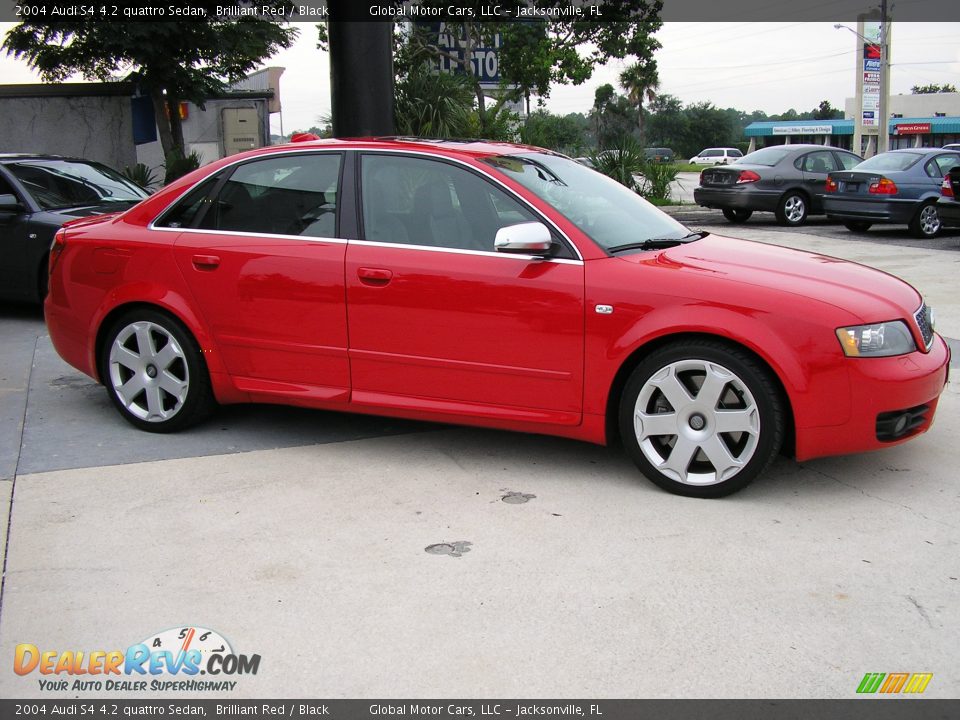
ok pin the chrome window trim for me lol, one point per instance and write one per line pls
(340, 150)
(458, 251)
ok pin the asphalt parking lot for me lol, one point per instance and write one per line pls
(303, 537)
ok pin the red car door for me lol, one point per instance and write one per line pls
(438, 319)
(266, 267)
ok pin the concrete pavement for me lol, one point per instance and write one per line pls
(301, 536)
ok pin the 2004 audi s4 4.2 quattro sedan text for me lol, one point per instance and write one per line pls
(488, 284)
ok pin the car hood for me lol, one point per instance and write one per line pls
(869, 294)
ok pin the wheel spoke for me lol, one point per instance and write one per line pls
(155, 403)
(168, 354)
(720, 457)
(130, 389)
(669, 384)
(127, 358)
(728, 421)
(655, 424)
(145, 342)
(680, 457)
(171, 384)
(712, 388)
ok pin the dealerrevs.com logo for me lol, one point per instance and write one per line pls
(172, 660)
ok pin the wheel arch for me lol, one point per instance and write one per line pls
(639, 353)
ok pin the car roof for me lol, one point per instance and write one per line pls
(452, 146)
(13, 157)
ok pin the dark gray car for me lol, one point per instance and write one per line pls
(38, 194)
(788, 180)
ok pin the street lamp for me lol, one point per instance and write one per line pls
(883, 129)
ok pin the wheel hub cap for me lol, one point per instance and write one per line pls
(148, 371)
(697, 421)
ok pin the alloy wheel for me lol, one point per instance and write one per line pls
(148, 371)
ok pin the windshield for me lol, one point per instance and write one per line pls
(889, 161)
(610, 214)
(57, 184)
(766, 156)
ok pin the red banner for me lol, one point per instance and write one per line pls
(912, 129)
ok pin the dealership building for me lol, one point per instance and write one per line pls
(931, 120)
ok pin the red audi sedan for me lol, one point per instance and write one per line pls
(495, 285)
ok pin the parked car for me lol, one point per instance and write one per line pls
(659, 154)
(788, 180)
(899, 186)
(38, 193)
(952, 146)
(948, 205)
(494, 285)
(716, 156)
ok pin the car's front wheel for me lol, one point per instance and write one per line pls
(926, 221)
(154, 372)
(701, 418)
(737, 216)
(792, 209)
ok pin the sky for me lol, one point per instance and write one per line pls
(749, 66)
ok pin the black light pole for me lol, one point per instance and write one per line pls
(361, 77)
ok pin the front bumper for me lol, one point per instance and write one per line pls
(741, 197)
(879, 387)
(883, 211)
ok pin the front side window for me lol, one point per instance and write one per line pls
(606, 211)
(848, 160)
(59, 184)
(417, 201)
(734, 153)
(285, 195)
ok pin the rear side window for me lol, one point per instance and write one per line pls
(848, 161)
(890, 161)
(818, 162)
(941, 165)
(286, 195)
(712, 153)
(188, 208)
(734, 153)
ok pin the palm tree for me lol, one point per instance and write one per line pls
(640, 81)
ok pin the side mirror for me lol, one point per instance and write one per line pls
(532, 238)
(9, 203)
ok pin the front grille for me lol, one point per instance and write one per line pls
(924, 322)
(900, 423)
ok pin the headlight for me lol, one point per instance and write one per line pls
(877, 340)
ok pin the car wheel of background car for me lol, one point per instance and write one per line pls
(926, 221)
(701, 418)
(154, 372)
(792, 209)
(858, 225)
(737, 216)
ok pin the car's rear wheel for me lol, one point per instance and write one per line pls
(926, 221)
(737, 216)
(701, 418)
(154, 372)
(792, 209)
(858, 225)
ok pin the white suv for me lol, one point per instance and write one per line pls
(716, 156)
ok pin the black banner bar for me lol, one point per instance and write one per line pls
(459, 10)
(855, 709)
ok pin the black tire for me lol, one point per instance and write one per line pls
(743, 385)
(177, 394)
(857, 225)
(793, 208)
(925, 223)
(737, 216)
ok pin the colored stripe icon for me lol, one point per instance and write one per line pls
(890, 683)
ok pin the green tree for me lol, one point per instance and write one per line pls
(564, 133)
(640, 81)
(173, 61)
(825, 111)
(933, 88)
(613, 116)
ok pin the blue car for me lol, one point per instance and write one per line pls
(900, 187)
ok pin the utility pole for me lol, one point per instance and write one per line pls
(883, 138)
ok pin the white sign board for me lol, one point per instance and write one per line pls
(803, 130)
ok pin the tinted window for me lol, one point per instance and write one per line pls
(186, 210)
(711, 153)
(287, 195)
(818, 162)
(890, 161)
(848, 160)
(734, 153)
(68, 183)
(602, 208)
(769, 156)
(945, 163)
(415, 201)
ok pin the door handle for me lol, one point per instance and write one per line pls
(206, 262)
(374, 276)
